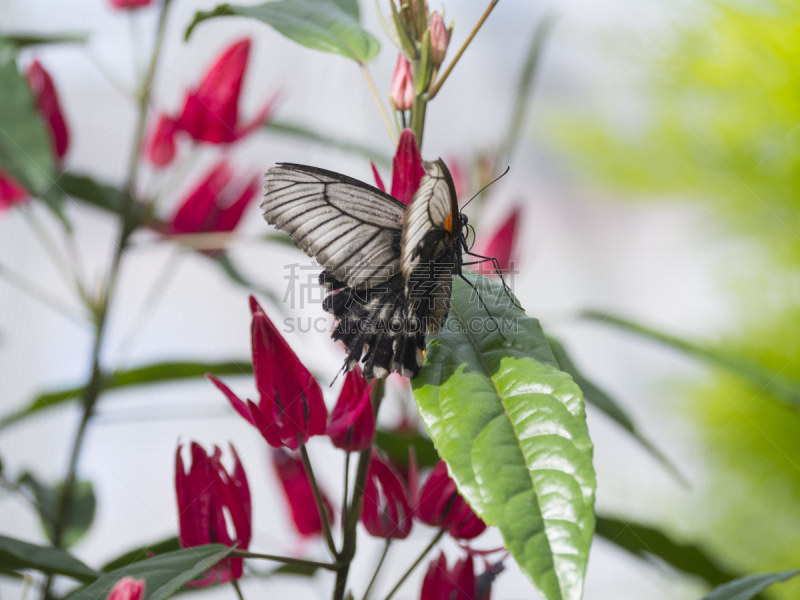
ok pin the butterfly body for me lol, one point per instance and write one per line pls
(388, 268)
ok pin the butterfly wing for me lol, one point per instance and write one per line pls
(429, 250)
(352, 229)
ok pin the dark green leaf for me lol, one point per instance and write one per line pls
(169, 545)
(600, 399)
(22, 40)
(297, 570)
(16, 554)
(25, 149)
(784, 388)
(395, 445)
(278, 237)
(304, 133)
(512, 428)
(81, 507)
(747, 587)
(350, 7)
(317, 24)
(156, 373)
(644, 542)
(164, 575)
(97, 194)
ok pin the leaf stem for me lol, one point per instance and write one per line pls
(378, 568)
(323, 514)
(434, 89)
(285, 559)
(420, 558)
(237, 589)
(381, 108)
(45, 297)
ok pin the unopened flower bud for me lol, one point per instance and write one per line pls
(402, 88)
(440, 38)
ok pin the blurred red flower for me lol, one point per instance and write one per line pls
(440, 583)
(401, 90)
(216, 204)
(407, 170)
(439, 504)
(501, 245)
(11, 192)
(291, 404)
(127, 588)
(387, 510)
(203, 495)
(130, 3)
(211, 111)
(300, 497)
(352, 423)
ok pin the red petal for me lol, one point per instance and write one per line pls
(127, 588)
(288, 390)
(267, 426)
(210, 113)
(198, 212)
(436, 585)
(238, 405)
(300, 497)
(352, 423)
(387, 511)
(464, 579)
(161, 146)
(130, 3)
(501, 244)
(407, 168)
(193, 491)
(262, 117)
(11, 192)
(47, 102)
(230, 216)
(378, 180)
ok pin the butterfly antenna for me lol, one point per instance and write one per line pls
(483, 304)
(486, 186)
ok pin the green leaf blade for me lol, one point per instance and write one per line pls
(322, 25)
(16, 554)
(512, 428)
(747, 587)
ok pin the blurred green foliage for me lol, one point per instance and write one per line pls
(722, 131)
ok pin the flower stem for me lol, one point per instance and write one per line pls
(97, 378)
(237, 589)
(381, 108)
(286, 559)
(434, 89)
(378, 568)
(345, 495)
(420, 558)
(323, 514)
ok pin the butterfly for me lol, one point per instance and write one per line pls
(387, 268)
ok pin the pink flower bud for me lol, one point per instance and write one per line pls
(127, 588)
(402, 88)
(440, 38)
(49, 107)
(130, 3)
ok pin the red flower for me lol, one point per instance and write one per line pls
(291, 404)
(127, 588)
(44, 91)
(387, 511)
(501, 245)
(130, 3)
(440, 505)
(407, 168)
(11, 192)
(352, 424)
(297, 488)
(440, 583)
(203, 495)
(401, 89)
(211, 111)
(216, 204)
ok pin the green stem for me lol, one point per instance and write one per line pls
(97, 378)
(378, 568)
(237, 589)
(365, 72)
(286, 559)
(420, 558)
(323, 514)
(345, 495)
(418, 117)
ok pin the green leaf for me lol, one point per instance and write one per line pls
(81, 508)
(786, 389)
(317, 24)
(97, 194)
(23, 40)
(16, 554)
(25, 149)
(350, 7)
(645, 542)
(141, 553)
(512, 428)
(395, 446)
(747, 587)
(164, 575)
(296, 570)
(601, 400)
(302, 132)
(165, 372)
